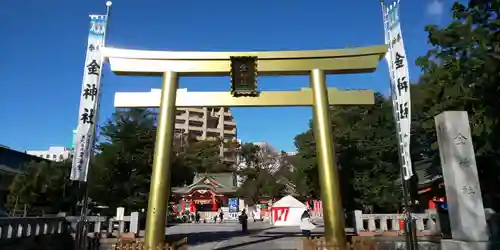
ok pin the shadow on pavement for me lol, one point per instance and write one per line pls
(195, 238)
(268, 236)
(287, 234)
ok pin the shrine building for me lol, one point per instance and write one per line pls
(207, 193)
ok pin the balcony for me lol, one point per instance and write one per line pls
(180, 112)
(229, 127)
(231, 139)
(195, 123)
(229, 136)
(196, 110)
(181, 116)
(195, 128)
(214, 130)
(180, 120)
(230, 131)
(181, 126)
(195, 133)
(230, 122)
(196, 118)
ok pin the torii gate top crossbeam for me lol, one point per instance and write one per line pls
(184, 98)
(270, 63)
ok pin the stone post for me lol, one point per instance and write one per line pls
(358, 220)
(97, 224)
(465, 204)
(121, 227)
(134, 223)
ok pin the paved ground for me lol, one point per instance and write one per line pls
(261, 236)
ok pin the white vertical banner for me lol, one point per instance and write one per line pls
(89, 99)
(400, 83)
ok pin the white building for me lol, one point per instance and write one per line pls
(53, 153)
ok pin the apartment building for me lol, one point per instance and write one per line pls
(207, 124)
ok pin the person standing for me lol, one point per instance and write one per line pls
(221, 215)
(197, 217)
(306, 225)
(243, 221)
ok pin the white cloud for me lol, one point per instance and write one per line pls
(435, 8)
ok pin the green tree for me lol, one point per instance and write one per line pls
(44, 187)
(366, 156)
(122, 171)
(204, 156)
(462, 72)
(256, 166)
(305, 175)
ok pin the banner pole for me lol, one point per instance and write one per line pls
(92, 146)
(86, 135)
(405, 174)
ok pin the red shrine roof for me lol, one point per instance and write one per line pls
(217, 182)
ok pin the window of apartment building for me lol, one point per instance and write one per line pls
(41, 156)
(228, 137)
(228, 127)
(54, 157)
(212, 133)
(47, 156)
(195, 123)
(195, 133)
(180, 112)
(228, 118)
(213, 122)
(61, 157)
(195, 115)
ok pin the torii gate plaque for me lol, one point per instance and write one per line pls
(315, 63)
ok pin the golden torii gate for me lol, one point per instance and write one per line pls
(315, 63)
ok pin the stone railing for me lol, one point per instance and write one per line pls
(209, 216)
(21, 227)
(31, 226)
(373, 224)
(108, 226)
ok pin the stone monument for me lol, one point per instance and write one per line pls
(465, 204)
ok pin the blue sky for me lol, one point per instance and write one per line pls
(43, 48)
